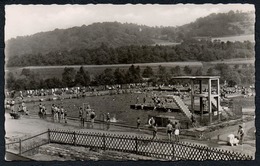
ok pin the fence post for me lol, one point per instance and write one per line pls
(136, 145)
(104, 141)
(49, 137)
(20, 146)
(74, 138)
(207, 153)
(173, 151)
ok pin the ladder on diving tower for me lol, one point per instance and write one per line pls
(184, 108)
(214, 103)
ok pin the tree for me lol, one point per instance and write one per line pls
(187, 70)
(199, 72)
(26, 72)
(68, 76)
(106, 77)
(163, 75)
(82, 78)
(236, 66)
(20, 84)
(212, 72)
(176, 71)
(52, 83)
(133, 74)
(87, 78)
(10, 81)
(119, 76)
(148, 72)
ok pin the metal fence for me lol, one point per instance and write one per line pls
(143, 146)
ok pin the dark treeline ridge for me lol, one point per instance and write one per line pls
(191, 50)
(115, 34)
(70, 77)
(220, 24)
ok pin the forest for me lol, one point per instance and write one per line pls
(191, 50)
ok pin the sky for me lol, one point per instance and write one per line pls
(22, 20)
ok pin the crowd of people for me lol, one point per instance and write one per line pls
(171, 129)
(20, 109)
(81, 91)
(87, 115)
(58, 113)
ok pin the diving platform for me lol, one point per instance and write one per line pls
(212, 93)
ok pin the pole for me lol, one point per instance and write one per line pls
(207, 158)
(218, 106)
(192, 95)
(136, 145)
(100, 121)
(49, 137)
(209, 101)
(173, 152)
(74, 138)
(201, 101)
(104, 141)
(20, 146)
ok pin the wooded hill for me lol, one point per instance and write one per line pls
(187, 51)
(114, 34)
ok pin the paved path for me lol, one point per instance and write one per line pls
(26, 127)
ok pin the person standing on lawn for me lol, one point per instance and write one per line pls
(177, 132)
(56, 115)
(62, 113)
(40, 110)
(169, 130)
(154, 132)
(92, 118)
(80, 116)
(138, 123)
(108, 121)
(53, 112)
(43, 112)
(241, 134)
(84, 117)
(65, 115)
(59, 113)
(87, 118)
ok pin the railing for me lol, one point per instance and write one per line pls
(28, 145)
(143, 146)
(182, 106)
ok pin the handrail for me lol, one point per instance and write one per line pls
(35, 136)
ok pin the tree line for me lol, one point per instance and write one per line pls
(155, 76)
(190, 50)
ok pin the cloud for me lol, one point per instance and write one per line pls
(29, 19)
